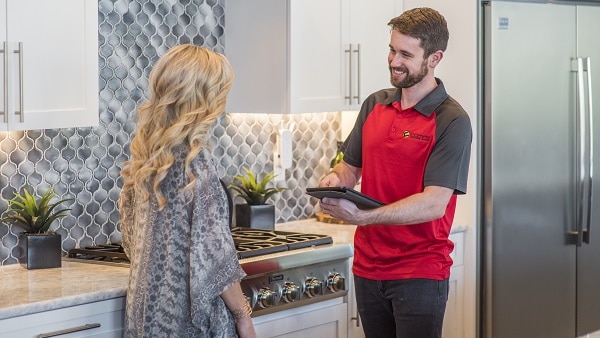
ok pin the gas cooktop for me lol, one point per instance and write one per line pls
(248, 242)
(256, 242)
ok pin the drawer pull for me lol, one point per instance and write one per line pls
(71, 330)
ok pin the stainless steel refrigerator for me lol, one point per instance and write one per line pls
(540, 195)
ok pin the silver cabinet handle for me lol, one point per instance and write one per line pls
(21, 110)
(70, 330)
(349, 96)
(357, 51)
(357, 318)
(5, 91)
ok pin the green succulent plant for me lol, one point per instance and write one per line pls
(34, 214)
(253, 191)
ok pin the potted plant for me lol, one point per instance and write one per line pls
(39, 247)
(256, 213)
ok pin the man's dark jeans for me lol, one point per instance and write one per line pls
(412, 308)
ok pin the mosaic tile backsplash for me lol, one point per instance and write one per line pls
(85, 163)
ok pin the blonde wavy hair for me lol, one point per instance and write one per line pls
(188, 90)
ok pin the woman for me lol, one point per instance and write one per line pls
(185, 274)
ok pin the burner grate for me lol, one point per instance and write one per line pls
(255, 242)
(102, 252)
(246, 249)
(248, 243)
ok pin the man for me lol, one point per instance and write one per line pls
(411, 147)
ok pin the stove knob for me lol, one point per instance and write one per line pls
(266, 298)
(336, 282)
(314, 287)
(291, 292)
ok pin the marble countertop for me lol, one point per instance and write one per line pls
(340, 233)
(25, 291)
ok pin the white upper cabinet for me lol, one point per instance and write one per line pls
(306, 56)
(369, 41)
(49, 68)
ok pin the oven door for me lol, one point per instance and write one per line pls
(327, 318)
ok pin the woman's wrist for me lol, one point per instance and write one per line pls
(242, 312)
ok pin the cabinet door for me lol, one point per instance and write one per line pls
(301, 56)
(52, 63)
(454, 317)
(3, 65)
(256, 47)
(355, 328)
(286, 55)
(315, 320)
(98, 319)
(369, 41)
(317, 31)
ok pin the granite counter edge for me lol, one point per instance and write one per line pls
(63, 302)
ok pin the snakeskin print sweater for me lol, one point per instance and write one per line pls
(182, 257)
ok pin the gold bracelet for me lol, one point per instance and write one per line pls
(241, 312)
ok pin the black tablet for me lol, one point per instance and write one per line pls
(361, 200)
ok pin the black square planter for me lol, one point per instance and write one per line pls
(40, 251)
(255, 216)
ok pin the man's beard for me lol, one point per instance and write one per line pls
(410, 79)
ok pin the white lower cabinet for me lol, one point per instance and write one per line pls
(322, 319)
(355, 329)
(454, 318)
(103, 319)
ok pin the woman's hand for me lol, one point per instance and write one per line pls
(245, 328)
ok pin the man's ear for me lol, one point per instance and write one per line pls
(435, 58)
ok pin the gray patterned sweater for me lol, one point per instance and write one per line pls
(182, 257)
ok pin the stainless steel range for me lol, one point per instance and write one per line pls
(309, 271)
(284, 270)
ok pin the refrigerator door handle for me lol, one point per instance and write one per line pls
(586, 147)
(590, 197)
(581, 131)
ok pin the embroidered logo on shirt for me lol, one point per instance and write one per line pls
(408, 134)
